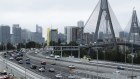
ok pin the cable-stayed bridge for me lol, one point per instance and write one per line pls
(106, 27)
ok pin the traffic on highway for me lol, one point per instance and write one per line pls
(55, 68)
(51, 70)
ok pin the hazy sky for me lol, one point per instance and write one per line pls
(59, 13)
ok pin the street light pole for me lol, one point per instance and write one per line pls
(97, 63)
(6, 56)
(25, 59)
(132, 55)
(97, 57)
(6, 52)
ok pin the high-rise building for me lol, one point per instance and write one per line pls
(88, 38)
(80, 23)
(62, 37)
(80, 32)
(123, 34)
(39, 30)
(5, 34)
(16, 34)
(73, 33)
(101, 35)
(68, 33)
(52, 35)
(25, 35)
(37, 36)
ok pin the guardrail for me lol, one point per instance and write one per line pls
(19, 70)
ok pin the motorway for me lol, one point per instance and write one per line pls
(65, 71)
(108, 68)
(88, 70)
(16, 70)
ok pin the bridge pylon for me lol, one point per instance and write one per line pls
(134, 33)
(104, 11)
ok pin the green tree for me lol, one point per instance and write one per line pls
(73, 43)
(53, 43)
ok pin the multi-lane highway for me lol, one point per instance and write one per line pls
(108, 68)
(83, 69)
(65, 71)
(17, 70)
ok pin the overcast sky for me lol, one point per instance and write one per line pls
(59, 13)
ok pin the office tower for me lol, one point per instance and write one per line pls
(80, 23)
(69, 34)
(25, 35)
(5, 34)
(37, 36)
(62, 37)
(88, 38)
(16, 34)
(52, 35)
(73, 33)
(80, 32)
(39, 30)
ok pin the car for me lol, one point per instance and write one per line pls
(28, 62)
(52, 55)
(33, 66)
(72, 66)
(21, 54)
(53, 63)
(43, 66)
(3, 73)
(71, 77)
(11, 58)
(51, 70)
(20, 62)
(41, 69)
(58, 76)
(19, 58)
(120, 68)
(36, 52)
(13, 55)
(27, 59)
(57, 57)
(43, 63)
(117, 71)
(47, 57)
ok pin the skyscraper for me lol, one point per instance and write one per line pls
(37, 36)
(80, 32)
(68, 33)
(72, 33)
(25, 35)
(88, 38)
(52, 35)
(39, 30)
(80, 23)
(62, 37)
(16, 30)
(5, 34)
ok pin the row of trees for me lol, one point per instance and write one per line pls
(108, 54)
(53, 43)
(30, 44)
(111, 55)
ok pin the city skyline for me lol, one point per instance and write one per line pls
(59, 13)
